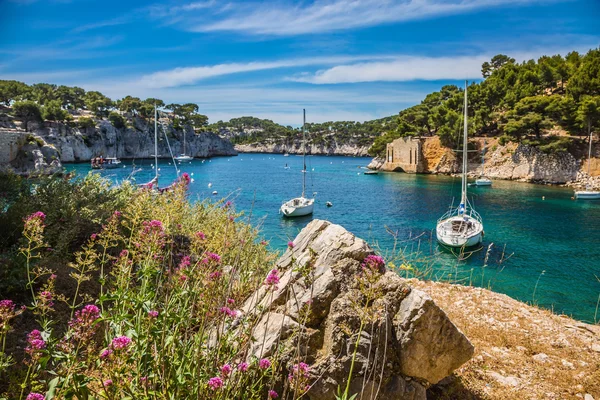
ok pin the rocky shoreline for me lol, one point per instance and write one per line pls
(312, 149)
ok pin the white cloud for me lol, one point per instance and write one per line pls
(189, 75)
(283, 19)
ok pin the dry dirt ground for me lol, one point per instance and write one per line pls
(521, 352)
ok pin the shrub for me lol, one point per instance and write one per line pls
(85, 122)
(117, 120)
(53, 111)
(27, 111)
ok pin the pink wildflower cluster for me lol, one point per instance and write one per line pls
(264, 242)
(152, 236)
(35, 396)
(36, 215)
(83, 324)
(298, 376)
(108, 382)
(273, 394)
(291, 244)
(120, 343)
(94, 236)
(228, 312)
(226, 370)
(215, 383)
(264, 363)
(374, 263)
(213, 257)
(200, 235)
(227, 204)
(185, 179)
(213, 276)
(35, 344)
(153, 313)
(272, 279)
(105, 354)
(7, 312)
(46, 298)
(243, 367)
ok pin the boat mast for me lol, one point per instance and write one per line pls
(184, 142)
(590, 150)
(483, 160)
(155, 143)
(303, 151)
(463, 201)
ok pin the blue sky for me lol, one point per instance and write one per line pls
(339, 59)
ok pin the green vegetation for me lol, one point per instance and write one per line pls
(515, 102)
(43, 101)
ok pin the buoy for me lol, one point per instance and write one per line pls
(192, 174)
(209, 184)
(329, 204)
(214, 192)
(543, 197)
(192, 180)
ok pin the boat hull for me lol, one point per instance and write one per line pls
(297, 207)
(453, 237)
(184, 158)
(483, 182)
(587, 195)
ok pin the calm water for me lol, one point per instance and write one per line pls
(555, 241)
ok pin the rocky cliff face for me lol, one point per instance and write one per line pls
(50, 143)
(329, 309)
(296, 148)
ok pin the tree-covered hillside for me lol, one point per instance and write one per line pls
(516, 102)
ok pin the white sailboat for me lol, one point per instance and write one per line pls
(153, 184)
(183, 156)
(462, 226)
(483, 181)
(588, 194)
(300, 206)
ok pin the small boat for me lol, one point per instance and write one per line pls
(105, 163)
(371, 172)
(329, 204)
(183, 156)
(483, 181)
(215, 192)
(462, 226)
(300, 206)
(588, 194)
(286, 155)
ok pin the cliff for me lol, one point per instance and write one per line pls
(510, 161)
(340, 149)
(51, 143)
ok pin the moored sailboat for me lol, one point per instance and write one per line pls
(462, 226)
(483, 181)
(300, 206)
(183, 156)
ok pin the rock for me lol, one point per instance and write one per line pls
(376, 163)
(588, 397)
(596, 347)
(333, 148)
(432, 346)
(540, 358)
(406, 343)
(36, 157)
(504, 380)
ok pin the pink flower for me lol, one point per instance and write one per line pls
(83, 324)
(291, 244)
(105, 354)
(120, 343)
(227, 204)
(264, 363)
(228, 311)
(230, 301)
(374, 263)
(213, 257)
(124, 253)
(272, 278)
(215, 275)
(35, 396)
(46, 298)
(226, 370)
(108, 382)
(93, 236)
(153, 313)
(35, 344)
(6, 306)
(264, 242)
(231, 218)
(37, 215)
(243, 366)
(200, 235)
(215, 383)
(183, 278)
(273, 394)
(185, 262)
(117, 214)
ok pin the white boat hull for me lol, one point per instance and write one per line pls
(483, 182)
(297, 207)
(456, 232)
(184, 158)
(587, 195)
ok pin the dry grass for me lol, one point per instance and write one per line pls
(521, 352)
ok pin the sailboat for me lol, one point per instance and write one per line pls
(183, 156)
(588, 194)
(462, 226)
(483, 181)
(300, 205)
(153, 184)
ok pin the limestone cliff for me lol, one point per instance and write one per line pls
(331, 148)
(60, 142)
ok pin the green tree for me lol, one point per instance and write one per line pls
(117, 120)
(97, 103)
(53, 111)
(71, 98)
(43, 93)
(84, 123)
(497, 62)
(586, 79)
(12, 91)
(588, 113)
(130, 104)
(27, 111)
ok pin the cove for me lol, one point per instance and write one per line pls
(553, 242)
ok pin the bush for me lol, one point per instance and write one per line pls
(145, 293)
(85, 122)
(117, 120)
(53, 111)
(505, 139)
(27, 111)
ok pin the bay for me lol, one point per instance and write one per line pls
(546, 246)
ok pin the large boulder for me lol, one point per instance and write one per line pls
(346, 321)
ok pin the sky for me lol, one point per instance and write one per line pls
(340, 59)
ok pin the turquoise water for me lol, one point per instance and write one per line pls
(555, 241)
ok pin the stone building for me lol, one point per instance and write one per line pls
(405, 155)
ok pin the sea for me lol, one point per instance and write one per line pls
(540, 245)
